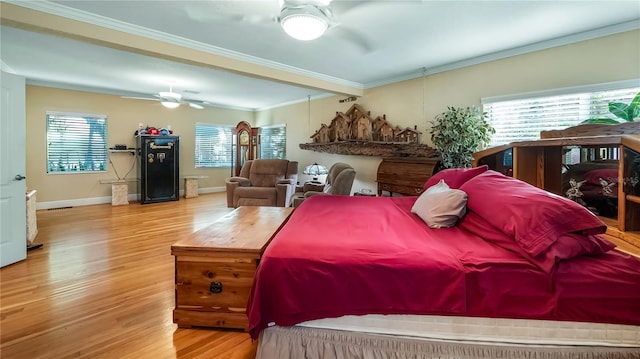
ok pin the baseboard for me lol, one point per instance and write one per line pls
(132, 197)
(212, 189)
(73, 202)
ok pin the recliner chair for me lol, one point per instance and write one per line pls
(263, 182)
(339, 182)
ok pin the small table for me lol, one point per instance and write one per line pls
(119, 190)
(215, 267)
(191, 186)
(315, 186)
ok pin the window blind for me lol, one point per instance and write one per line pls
(213, 146)
(273, 141)
(76, 143)
(523, 119)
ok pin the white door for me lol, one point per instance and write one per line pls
(13, 187)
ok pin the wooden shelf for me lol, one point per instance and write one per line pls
(129, 150)
(540, 163)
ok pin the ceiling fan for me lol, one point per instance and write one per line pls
(300, 19)
(170, 99)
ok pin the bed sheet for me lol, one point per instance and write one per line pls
(341, 255)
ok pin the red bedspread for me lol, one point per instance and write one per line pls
(361, 255)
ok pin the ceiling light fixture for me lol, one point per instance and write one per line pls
(305, 22)
(170, 99)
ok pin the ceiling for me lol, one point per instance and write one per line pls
(234, 54)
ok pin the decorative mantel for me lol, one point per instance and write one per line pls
(370, 148)
(355, 133)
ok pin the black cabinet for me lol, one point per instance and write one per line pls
(159, 169)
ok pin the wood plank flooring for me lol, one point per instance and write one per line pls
(103, 286)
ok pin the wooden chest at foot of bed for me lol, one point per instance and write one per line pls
(215, 267)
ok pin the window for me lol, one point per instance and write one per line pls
(522, 119)
(213, 146)
(273, 141)
(76, 143)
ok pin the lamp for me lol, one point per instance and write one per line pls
(170, 99)
(305, 22)
(315, 170)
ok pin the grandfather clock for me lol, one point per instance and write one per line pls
(244, 146)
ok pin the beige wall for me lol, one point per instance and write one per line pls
(607, 59)
(406, 103)
(123, 117)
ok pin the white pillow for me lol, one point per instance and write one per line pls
(440, 206)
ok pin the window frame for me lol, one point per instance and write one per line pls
(583, 109)
(263, 142)
(102, 157)
(228, 146)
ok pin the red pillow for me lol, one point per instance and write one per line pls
(565, 247)
(454, 177)
(534, 217)
(570, 246)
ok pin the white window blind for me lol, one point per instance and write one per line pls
(523, 119)
(213, 146)
(273, 141)
(76, 143)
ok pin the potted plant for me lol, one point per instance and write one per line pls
(624, 112)
(459, 132)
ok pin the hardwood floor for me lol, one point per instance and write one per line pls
(103, 286)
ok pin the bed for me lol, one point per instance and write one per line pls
(521, 273)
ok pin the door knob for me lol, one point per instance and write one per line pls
(19, 177)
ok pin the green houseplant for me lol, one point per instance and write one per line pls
(624, 112)
(459, 132)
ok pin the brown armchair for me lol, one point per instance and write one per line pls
(339, 182)
(263, 182)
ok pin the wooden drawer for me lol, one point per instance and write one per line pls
(214, 285)
(405, 175)
(406, 190)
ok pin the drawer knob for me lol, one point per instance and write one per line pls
(215, 287)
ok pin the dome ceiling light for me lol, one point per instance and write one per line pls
(170, 99)
(305, 21)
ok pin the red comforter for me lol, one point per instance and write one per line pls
(360, 255)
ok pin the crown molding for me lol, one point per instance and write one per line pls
(293, 102)
(538, 46)
(6, 68)
(64, 11)
(102, 21)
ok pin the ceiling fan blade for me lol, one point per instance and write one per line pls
(197, 105)
(342, 7)
(249, 12)
(141, 98)
(352, 36)
(207, 16)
